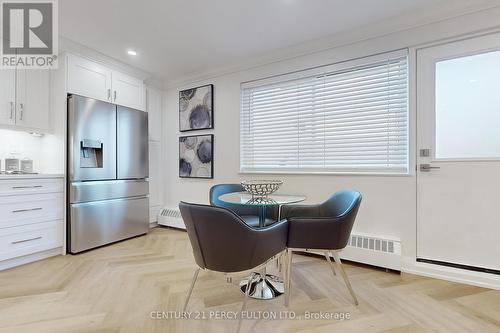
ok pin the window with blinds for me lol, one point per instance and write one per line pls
(349, 117)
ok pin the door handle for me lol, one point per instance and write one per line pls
(11, 110)
(26, 240)
(25, 187)
(114, 95)
(26, 210)
(427, 167)
(109, 94)
(21, 111)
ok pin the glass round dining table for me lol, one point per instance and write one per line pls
(247, 199)
(265, 286)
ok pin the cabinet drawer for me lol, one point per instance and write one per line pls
(30, 186)
(28, 209)
(21, 241)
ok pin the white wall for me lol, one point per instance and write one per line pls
(21, 145)
(389, 203)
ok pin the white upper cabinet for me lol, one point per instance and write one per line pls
(90, 79)
(25, 98)
(127, 90)
(154, 106)
(33, 106)
(7, 96)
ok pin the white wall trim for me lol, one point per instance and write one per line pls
(464, 276)
(10, 263)
(70, 46)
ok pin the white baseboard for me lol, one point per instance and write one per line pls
(485, 280)
(6, 264)
(153, 225)
(374, 258)
(379, 259)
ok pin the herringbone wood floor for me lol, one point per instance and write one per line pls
(115, 289)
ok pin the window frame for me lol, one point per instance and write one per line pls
(347, 65)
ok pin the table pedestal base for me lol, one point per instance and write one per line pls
(269, 287)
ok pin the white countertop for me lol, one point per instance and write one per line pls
(31, 176)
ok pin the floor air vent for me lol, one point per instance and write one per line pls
(171, 217)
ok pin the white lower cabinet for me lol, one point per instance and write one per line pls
(29, 239)
(31, 217)
(29, 209)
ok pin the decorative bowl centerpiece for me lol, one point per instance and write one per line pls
(261, 188)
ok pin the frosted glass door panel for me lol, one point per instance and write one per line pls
(467, 107)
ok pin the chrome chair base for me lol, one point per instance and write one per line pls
(269, 287)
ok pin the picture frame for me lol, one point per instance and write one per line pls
(196, 156)
(196, 108)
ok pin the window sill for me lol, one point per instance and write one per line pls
(329, 173)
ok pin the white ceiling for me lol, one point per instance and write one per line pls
(176, 38)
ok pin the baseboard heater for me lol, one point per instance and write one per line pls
(373, 250)
(171, 217)
(459, 266)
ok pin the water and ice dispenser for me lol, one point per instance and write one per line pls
(91, 153)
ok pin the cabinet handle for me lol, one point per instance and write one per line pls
(24, 187)
(114, 93)
(109, 94)
(26, 210)
(11, 110)
(21, 111)
(26, 240)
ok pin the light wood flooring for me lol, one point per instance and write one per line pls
(118, 287)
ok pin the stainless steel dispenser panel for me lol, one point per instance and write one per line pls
(102, 222)
(132, 143)
(105, 190)
(91, 139)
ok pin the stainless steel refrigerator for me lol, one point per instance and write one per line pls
(108, 169)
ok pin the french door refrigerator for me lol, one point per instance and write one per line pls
(107, 173)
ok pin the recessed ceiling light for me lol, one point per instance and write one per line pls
(132, 52)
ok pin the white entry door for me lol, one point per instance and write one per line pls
(458, 148)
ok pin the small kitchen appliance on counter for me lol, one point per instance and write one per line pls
(26, 166)
(11, 165)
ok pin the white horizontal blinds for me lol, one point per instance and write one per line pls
(354, 119)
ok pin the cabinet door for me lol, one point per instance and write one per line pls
(154, 173)
(33, 110)
(89, 79)
(7, 96)
(128, 91)
(153, 107)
